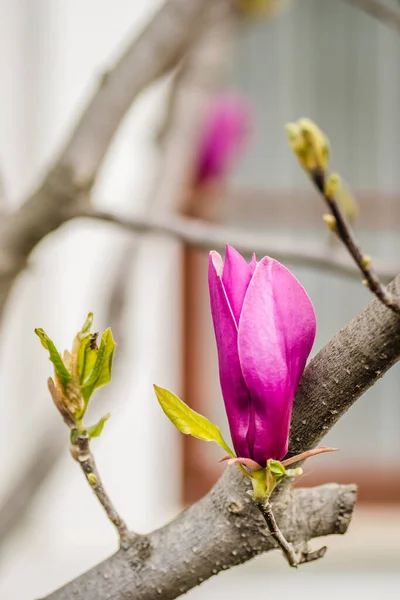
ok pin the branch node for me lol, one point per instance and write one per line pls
(309, 556)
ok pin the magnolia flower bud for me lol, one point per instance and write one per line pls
(264, 326)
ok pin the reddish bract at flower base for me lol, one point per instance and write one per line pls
(264, 325)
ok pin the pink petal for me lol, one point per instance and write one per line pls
(233, 387)
(236, 276)
(276, 334)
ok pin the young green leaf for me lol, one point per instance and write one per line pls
(276, 468)
(86, 326)
(63, 375)
(87, 355)
(259, 482)
(275, 472)
(188, 421)
(101, 372)
(95, 430)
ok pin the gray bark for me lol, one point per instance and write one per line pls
(221, 531)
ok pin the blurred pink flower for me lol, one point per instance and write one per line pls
(223, 137)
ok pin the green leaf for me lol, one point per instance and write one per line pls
(265, 480)
(100, 374)
(188, 421)
(63, 375)
(276, 468)
(87, 355)
(259, 483)
(95, 430)
(275, 472)
(86, 326)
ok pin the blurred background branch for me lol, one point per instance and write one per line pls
(378, 9)
(207, 235)
(221, 531)
(189, 95)
(159, 48)
(48, 449)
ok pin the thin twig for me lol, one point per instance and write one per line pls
(286, 547)
(379, 10)
(82, 453)
(294, 558)
(209, 236)
(345, 232)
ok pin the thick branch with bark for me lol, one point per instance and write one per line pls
(224, 529)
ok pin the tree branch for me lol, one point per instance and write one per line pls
(200, 234)
(294, 558)
(343, 229)
(224, 528)
(158, 49)
(82, 453)
(379, 10)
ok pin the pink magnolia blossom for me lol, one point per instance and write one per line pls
(223, 136)
(264, 325)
